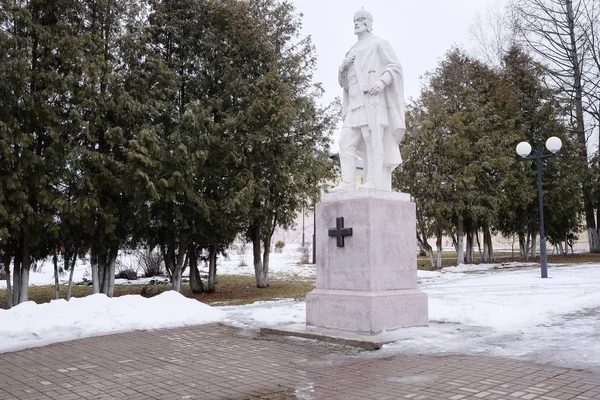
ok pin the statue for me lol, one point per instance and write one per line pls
(372, 110)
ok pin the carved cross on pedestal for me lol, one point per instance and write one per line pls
(340, 232)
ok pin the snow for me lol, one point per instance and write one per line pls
(31, 325)
(493, 309)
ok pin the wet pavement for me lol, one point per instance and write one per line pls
(220, 362)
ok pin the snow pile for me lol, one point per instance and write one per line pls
(30, 324)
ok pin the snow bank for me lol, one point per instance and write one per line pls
(30, 324)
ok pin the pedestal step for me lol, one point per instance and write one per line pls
(366, 311)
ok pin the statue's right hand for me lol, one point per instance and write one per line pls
(347, 61)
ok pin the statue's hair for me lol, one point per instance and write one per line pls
(367, 16)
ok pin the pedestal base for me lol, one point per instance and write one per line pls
(366, 311)
(368, 282)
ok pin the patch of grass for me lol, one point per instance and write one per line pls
(231, 290)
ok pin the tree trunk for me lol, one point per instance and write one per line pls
(169, 256)
(175, 257)
(112, 266)
(594, 239)
(17, 276)
(182, 248)
(454, 242)
(71, 272)
(561, 249)
(266, 258)
(9, 294)
(212, 269)
(25, 265)
(488, 252)
(177, 278)
(170, 267)
(95, 272)
(56, 286)
(196, 285)
(533, 245)
(256, 253)
(476, 233)
(575, 57)
(431, 258)
(522, 245)
(105, 271)
(470, 256)
(438, 245)
(460, 237)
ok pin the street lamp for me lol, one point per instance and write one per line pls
(553, 145)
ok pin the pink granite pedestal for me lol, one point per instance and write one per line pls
(370, 284)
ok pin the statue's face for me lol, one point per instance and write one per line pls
(360, 25)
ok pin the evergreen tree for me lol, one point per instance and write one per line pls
(286, 149)
(540, 118)
(108, 116)
(38, 68)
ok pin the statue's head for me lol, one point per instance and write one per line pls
(363, 21)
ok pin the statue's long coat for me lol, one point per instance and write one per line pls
(376, 54)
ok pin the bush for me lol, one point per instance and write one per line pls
(279, 246)
(151, 262)
(242, 251)
(304, 255)
(124, 271)
(127, 273)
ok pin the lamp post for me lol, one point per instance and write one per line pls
(553, 144)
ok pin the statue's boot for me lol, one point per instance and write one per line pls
(348, 184)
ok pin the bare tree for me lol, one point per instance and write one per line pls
(591, 76)
(557, 31)
(492, 33)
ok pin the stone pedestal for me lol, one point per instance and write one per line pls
(370, 284)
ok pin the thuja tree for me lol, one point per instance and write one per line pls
(540, 117)
(109, 116)
(425, 168)
(286, 146)
(38, 68)
(482, 128)
(209, 72)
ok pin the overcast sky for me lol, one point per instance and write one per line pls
(420, 31)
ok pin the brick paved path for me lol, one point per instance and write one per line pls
(213, 362)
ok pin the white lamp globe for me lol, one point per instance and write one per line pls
(523, 149)
(554, 144)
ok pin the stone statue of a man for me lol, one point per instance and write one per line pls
(372, 111)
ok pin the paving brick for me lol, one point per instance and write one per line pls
(212, 362)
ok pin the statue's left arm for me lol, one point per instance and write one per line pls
(393, 68)
(392, 77)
